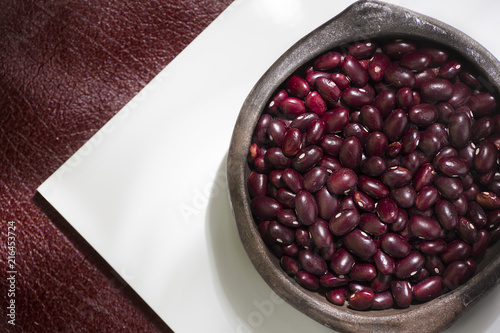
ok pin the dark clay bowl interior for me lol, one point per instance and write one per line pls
(361, 21)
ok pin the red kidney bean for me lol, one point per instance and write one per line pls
(385, 102)
(461, 93)
(482, 104)
(450, 69)
(452, 166)
(399, 77)
(382, 301)
(355, 97)
(426, 198)
(387, 210)
(485, 158)
(467, 153)
(303, 238)
(482, 243)
(312, 76)
(460, 205)
(445, 110)
(288, 218)
(415, 61)
(371, 118)
(373, 166)
(446, 214)
(265, 208)
(336, 296)
(428, 289)
(424, 228)
(297, 87)
(315, 179)
(409, 265)
(436, 90)
(404, 196)
(340, 80)
(327, 61)
(377, 66)
(289, 265)
(344, 222)
(466, 230)
(276, 131)
(306, 208)
(363, 201)
(459, 128)
(433, 247)
(327, 89)
(328, 204)
(292, 180)
(395, 245)
(313, 102)
(286, 198)
(372, 225)
(330, 163)
(347, 203)
(362, 50)
(400, 225)
(336, 120)
(361, 300)
(331, 144)
(376, 144)
(488, 200)
(493, 218)
(315, 132)
(396, 49)
(307, 158)
(303, 121)
(482, 128)
(280, 233)
(276, 158)
(355, 71)
(438, 57)
(396, 176)
(456, 250)
(393, 150)
(320, 233)
(395, 124)
(362, 272)
(424, 176)
(402, 293)
(434, 265)
(476, 214)
(382, 282)
(413, 161)
(350, 153)
(326, 252)
(360, 244)
(292, 142)
(385, 264)
(342, 181)
(410, 141)
(342, 262)
(307, 280)
(456, 274)
(356, 130)
(312, 263)
(272, 107)
(449, 188)
(429, 143)
(257, 184)
(291, 107)
(372, 187)
(329, 280)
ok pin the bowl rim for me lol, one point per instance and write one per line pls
(363, 20)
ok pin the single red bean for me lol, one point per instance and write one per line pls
(292, 180)
(313, 75)
(306, 207)
(482, 104)
(450, 69)
(456, 250)
(328, 204)
(315, 179)
(402, 293)
(312, 263)
(426, 198)
(315, 103)
(363, 201)
(382, 282)
(330, 163)
(456, 274)
(482, 243)
(361, 300)
(404, 196)
(476, 214)
(340, 80)
(372, 187)
(387, 210)
(307, 158)
(307, 280)
(461, 93)
(399, 77)
(460, 205)
(272, 107)
(297, 87)
(331, 143)
(416, 61)
(315, 132)
(446, 214)
(327, 89)
(438, 56)
(449, 188)
(292, 107)
(373, 166)
(362, 50)
(395, 245)
(385, 263)
(356, 97)
(467, 153)
(280, 233)
(329, 280)
(410, 141)
(288, 218)
(363, 272)
(452, 166)
(401, 223)
(395, 124)
(292, 142)
(466, 230)
(424, 176)
(341, 181)
(488, 200)
(385, 102)
(357, 130)
(344, 222)
(396, 176)
(382, 300)
(428, 289)
(377, 66)
(276, 131)
(396, 49)
(360, 244)
(303, 238)
(336, 296)
(459, 128)
(371, 224)
(350, 153)
(336, 120)
(482, 128)
(424, 228)
(289, 265)
(433, 247)
(371, 118)
(286, 198)
(429, 143)
(355, 71)
(257, 184)
(445, 110)
(342, 262)
(409, 265)
(320, 233)
(436, 90)
(485, 158)
(376, 144)
(327, 61)
(303, 121)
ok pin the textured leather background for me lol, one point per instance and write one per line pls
(66, 67)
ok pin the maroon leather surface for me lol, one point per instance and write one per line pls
(66, 67)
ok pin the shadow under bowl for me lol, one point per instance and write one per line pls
(363, 20)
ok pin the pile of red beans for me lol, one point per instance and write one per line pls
(374, 173)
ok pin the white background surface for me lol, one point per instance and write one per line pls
(148, 191)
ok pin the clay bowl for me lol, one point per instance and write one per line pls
(361, 21)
